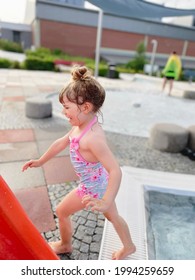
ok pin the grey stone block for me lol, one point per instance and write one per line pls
(189, 94)
(38, 108)
(191, 142)
(168, 137)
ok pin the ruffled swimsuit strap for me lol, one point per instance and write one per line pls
(87, 128)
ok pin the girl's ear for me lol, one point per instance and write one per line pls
(87, 107)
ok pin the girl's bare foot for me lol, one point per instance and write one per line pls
(60, 248)
(123, 253)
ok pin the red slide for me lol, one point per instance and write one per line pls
(19, 238)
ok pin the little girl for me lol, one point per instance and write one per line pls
(99, 173)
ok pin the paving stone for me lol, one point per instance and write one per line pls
(84, 213)
(75, 255)
(100, 222)
(83, 257)
(81, 221)
(80, 233)
(97, 237)
(98, 230)
(48, 235)
(89, 231)
(94, 247)
(35, 202)
(93, 256)
(43, 145)
(59, 170)
(91, 224)
(75, 218)
(76, 244)
(51, 133)
(92, 217)
(19, 135)
(12, 170)
(87, 239)
(84, 248)
(9, 151)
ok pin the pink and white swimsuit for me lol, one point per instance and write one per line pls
(93, 176)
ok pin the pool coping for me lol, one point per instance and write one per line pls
(132, 208)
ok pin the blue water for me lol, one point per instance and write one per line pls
(170, 225)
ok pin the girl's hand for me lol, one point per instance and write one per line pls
(95, 204)
(31, 163)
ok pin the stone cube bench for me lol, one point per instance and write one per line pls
(191, 141)
(38, 108)
(189, 94)
(168, 137)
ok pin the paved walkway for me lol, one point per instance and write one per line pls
(133, 104)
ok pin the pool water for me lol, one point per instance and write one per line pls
(170, 224)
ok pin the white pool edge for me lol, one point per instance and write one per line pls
(130, 204)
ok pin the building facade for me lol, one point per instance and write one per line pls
(16, 32)
(69, 26)
(73, 29)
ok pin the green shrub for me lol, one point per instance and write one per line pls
(102, 71)
(139, 60)
(124, 69)
(57, 52)
(54, 55)
(39, 53)
(10, 46)
(137, 63)
(15, 65)
(33, 63)
(5, 63)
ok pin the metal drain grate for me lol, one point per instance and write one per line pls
(130, 206)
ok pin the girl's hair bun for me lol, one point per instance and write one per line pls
(83, 88)
(80, 73)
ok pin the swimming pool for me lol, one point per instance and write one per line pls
(170, 223)
(131, 203)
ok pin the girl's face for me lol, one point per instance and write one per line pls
(73, 112)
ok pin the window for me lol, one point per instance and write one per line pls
(16, 36)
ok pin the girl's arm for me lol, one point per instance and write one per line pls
(58, 146)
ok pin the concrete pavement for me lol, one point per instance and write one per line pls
(132, 105)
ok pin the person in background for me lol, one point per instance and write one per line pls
(171, 71)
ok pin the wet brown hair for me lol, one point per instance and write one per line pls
(83, 88)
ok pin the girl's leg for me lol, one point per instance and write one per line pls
(68, 206)
(122, 230)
